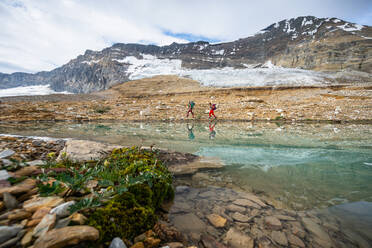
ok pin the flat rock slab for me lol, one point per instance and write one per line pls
(273, 223)
(8, 232)
(317, 231)
(70, 235)
(199, 164)
(189, 223)
(279, 238)
(236, 239)
(6, 153)
(22, 187)
(216, 220)
(246, 203)
(240, 217)
(253, 198)
(84, 150)
(34, 204)
(236, 208)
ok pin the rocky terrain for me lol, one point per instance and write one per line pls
(305, 42)
(166, 98)
(199, 216)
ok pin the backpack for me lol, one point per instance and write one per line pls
(214, 107)
(192, 104)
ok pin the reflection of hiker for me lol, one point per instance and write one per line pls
(191, 133)
(212, 133)
(191, 106)
(213, 107)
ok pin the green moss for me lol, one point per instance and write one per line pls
(123, 217)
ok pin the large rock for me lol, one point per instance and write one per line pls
(70, 235)
(46, 224)
(62, 210)
(84, 150)
(189, 223)
(33, 204)
(236, 239)
(8, 232)
(216, 220)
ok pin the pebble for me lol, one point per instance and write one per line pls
(117, 243)
(240, 217)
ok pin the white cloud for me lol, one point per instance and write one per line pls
(41, 35)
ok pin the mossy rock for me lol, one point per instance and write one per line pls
(123, 217)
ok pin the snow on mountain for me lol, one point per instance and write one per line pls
(29, 91)
(225, 77)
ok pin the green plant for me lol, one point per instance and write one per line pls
(279, 118)
(85, 203)
(14, 180)
(50, 189)
(75, 179)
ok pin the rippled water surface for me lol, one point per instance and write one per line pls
(303, 166)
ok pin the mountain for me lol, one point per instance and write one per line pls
(322, 44)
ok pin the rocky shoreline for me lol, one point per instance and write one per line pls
(199, 216)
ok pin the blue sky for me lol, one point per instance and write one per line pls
(40, 35)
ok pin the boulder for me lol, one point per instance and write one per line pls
(84, 150)
(195, 166)
(236, 239)
(70, 235)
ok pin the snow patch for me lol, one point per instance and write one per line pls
(306, 22)
(349, 27)
(34, 90)
(336, 20)
(91, 62)
(276, 25)
(219, 52)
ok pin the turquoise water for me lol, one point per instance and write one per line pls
(303, 166)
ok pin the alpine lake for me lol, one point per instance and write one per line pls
(319, 167)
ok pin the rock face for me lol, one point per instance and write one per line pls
(303, 42)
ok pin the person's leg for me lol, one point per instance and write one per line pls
(192, 113)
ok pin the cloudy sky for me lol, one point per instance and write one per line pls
(44, 34)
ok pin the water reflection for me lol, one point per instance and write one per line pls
(301, 165)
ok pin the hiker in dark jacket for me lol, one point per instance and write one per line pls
(191, 106)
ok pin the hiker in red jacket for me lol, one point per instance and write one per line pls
(213, 108)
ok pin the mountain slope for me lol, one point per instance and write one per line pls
(304, 42)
